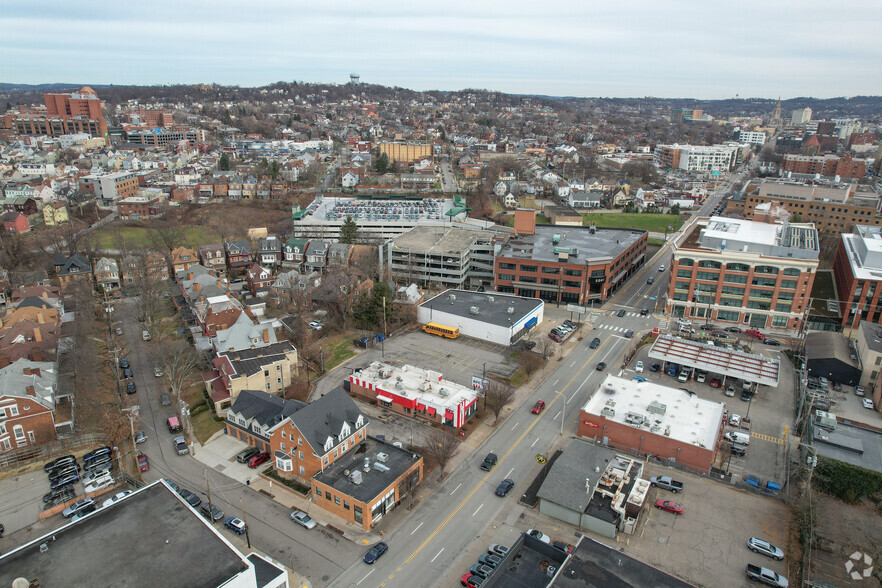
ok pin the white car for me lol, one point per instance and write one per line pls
(661, 268)
(315, 325)
(157, 371)
(735, 420)
(765, 548)
(302, 519)
(868, 403)
(118, 496)
(639, 367)
(539, 535)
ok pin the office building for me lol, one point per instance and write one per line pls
(825, 165)
(752, 274)
(857, 270)
(801, 116)
(750, 137)
(63, 114)
(108, 189)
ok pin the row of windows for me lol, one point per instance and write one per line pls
(534, 269)
(738, 267)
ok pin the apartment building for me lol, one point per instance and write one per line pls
(27, 403)
(825, 165)
(751, 274)
(707, 158)
(857, 271)
(405, 152)
(110, 188)
(567, 264)
(750, 137)
(138, 208)
(269, 368)
(452, 257)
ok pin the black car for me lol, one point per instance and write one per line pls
(707, 327)
(212, 513)
(60, 462)
(375, 552)
(172, 485)
(489, 559)
(489, 462)
(127, 374)
(247, 454)
(570, 324)
(98, 452)
(62, 472)
(124, 363)
(164, 399)
(595, 343)
(131, 388)
(733, 330)
(601, 366)
(58, 496)
(629, 333)
(721, 335)
(654, 367)
(190, 498)
(772, 342)
(650, 280)
(481, 571)
(98, 463)
(504, 487)
(644, 312)
(68, 480)
(738, 449)
(562, 546)
(746, 395)
(621, 313)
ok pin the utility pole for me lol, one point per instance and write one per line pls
(383, 342)
(245, 520)
(208, 492)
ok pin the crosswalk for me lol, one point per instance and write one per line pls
(632, 314)
(768, 438)
(611, 328)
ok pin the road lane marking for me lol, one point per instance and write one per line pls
(436, 555)
(556, 381)
(484, 479)
(535, 442)
(572, 364)
(476, 512)
(454, 490)
(365, 578)
(415, 530)
(515, 425)
(509, 472)
(555, 416)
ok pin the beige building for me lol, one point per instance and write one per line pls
(405, 152)
(270, 368)
(54, 214)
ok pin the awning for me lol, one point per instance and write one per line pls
(421, 406)
(383, 398)
(448, 414)
(431, 411)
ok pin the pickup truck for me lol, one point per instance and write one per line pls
(667, 483)
(766, 576)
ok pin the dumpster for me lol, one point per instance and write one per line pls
(752, 481)
(773, 487)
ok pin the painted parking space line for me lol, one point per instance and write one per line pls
(768, 438)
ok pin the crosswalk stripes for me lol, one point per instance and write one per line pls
(611, 328)
(768, 438)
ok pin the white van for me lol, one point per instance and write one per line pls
(145, 335)
(736, 437)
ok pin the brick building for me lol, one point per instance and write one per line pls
(138, 208)
(857, 271)
(64, 114)
(759, 275)
(576, 264)
(825, 165)
(27, 404)
(110, 188)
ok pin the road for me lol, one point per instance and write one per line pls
(448, 179)
(316, 553)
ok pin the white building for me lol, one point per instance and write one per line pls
(801, 116)
(751, 137)
(490, 316)
(697, 157)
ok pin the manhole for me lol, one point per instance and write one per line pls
(661, 539)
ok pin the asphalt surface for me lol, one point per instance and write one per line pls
(318, 554)
(448, 180)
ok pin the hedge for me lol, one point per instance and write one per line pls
(849, 483)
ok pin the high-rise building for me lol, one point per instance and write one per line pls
(64, 114)
(801, 116)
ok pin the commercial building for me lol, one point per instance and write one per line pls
(378, 219)
(832, 356)
(750, 137)
(110, 188)
(138, 208)
(131, 533)
(64, 114)
(844, 440)
(452, 256)
(567, 264)
(857, 271)
(160, 137)
(406, 152)
(801, 116)
(825, 165)
(868, 346)
(414, 391)
(490, 316)
(759, 275)
(648, 419)
(593, 487)
(706, 158)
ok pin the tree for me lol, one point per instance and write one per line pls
(382, 164)
(179, 361)
(223, 163)
(349, 231)
(497, 396)
(368, 311)
(440, 446)
(167, 236)
(273, 170)
(675, 210)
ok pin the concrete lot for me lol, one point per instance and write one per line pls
(705, 546)
(770, 412)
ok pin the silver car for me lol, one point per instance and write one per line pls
(765, 548)
(302, 519)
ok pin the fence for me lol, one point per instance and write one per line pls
(46, 451)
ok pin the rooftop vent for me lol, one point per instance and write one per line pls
(382, 457)
(491, 299)
(510, 310)
(474, 310)
(380, 467)
(355, 477)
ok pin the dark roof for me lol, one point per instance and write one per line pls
(76, 262)
(324, 417)
(522, 566)
(594, 564)
(374, 481)
(251, 361)
(34, 301)
(492, 306)
(265, 572)
(565, 483)
(130, 534)
(238, 248)
(266, 409)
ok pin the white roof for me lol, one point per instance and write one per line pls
(675, 414)
(426, 386)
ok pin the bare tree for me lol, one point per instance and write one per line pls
(546, 347)
(167, 236)
(530, 361)
(497, 396)
(440, 446)
(179, 362)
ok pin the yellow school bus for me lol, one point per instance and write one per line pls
(441, 330)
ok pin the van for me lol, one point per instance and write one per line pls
(145, 335)
(673, 369)
(737, 437)
(174, 425)
(684, 322)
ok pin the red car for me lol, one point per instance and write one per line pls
(143, 462)
(538, 407)
(258, 459)
(470, 580)
(716, 383)
(755, 333)
(670, 506)
(555, 337)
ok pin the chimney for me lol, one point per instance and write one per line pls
(31, 392)
(40, 318)
(219, 285)
(190, 276)
(196, 286)
(36, 354)
(266, 335)
(4, 361)
(38, 335)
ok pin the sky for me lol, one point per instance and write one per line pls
(624, 48)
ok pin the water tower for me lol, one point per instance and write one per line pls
(354, 78)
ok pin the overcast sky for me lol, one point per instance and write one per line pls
(666, 48)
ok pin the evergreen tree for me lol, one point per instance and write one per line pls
(349, 231)
(273, 170)
(368, 311)
(223, 163)
(382, 164)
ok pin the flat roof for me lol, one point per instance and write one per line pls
(492, 307)
(593, 564)
(658, 409)
(717, 360)
(583, 245)
(375, 480)
(367, 212)
(864, 251)
(151, 525)
(427, 387)
(440, 239)
(872, 334)
(526, 565)
(849, 442)
(785, 240)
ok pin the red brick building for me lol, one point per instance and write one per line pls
(64, 114)
(15, 222)
(27, 404)
(567, 264)
(857, 271)
(138, 208)
(825, 165)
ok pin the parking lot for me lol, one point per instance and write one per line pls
(769, 412)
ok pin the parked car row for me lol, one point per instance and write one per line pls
(562, 331)
(487, 562)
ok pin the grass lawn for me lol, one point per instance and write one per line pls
(338, 349)
(541, 220)
(196, 235)
(204, 426)
(656, 223)
(655, 242)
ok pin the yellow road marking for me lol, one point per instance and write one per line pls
(768, 438)
(516, 443)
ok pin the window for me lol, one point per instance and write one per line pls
(335, 454)
(709, 276)
(302, 471)
(765, 294)
(507, 266)
(528, 279)
(790, 271)
(728, 315)
(31, 437)
(299, 455)
(13, 411)
(283, 433)
(267, 386)
(283, 447)
(737, 267)
(278, 380)
(732, 291)
(769, 282)
(299, 440)
(789, 284)
(508, 277)
(278, 368)
(734, 279)
(265, 373)
(782, 308)
(759, 305)
(346, 504)
(710, 264)
(765, 269)
(686, 262)
(529, 268)
(779, 321)
(684, 273)
(576, 273)
(550, 270)
(18, 431)
(549, 282)
(337, 500)
(327, 494)
(356, 513)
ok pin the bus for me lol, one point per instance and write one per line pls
(441, 330)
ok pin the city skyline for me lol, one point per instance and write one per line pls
(643, 49)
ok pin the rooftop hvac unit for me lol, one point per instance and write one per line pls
(555, 239)
(380, 467)
(668, 431)
(657, 407)
(608, 412)
(550, 571)
(474, 310)
(443, 392)
(355, 477)
(510, 310)
(382, 457)
(609, 390)
(399, 385)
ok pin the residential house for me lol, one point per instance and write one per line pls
(338, 254)
(258, 278)
(349, 179)
(25, 205)
(269, 251)
(72, 269)
(294, 251)
(243, 334)
(238, 254)
(155, 266)
(212, 257)
(578, 199)
(510, 201)
(54, 214)
(289, 285)
(317, 256)
(15, 222)
(106, 272)
(182, 258)
(51, 294)
(255, 413)
(27, 404)
(270, 368)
